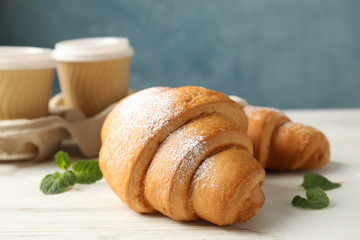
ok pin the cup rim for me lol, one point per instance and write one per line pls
(25, 57)
(92, 49)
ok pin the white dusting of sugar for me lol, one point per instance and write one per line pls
(298, 129)
(190, 144)
(202, 175)
(140, 117)
(184, 149)
(242, 102)
(145, 113)
(255, 112)
(252, 113)
(302, 133)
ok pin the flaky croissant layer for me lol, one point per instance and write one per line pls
(183, 152)
(282, 145)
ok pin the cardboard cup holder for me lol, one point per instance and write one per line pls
(37, 139)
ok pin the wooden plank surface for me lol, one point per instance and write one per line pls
(95, 212)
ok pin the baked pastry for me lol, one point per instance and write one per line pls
(282, 145)
(183, 152)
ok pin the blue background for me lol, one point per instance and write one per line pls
(279, 53)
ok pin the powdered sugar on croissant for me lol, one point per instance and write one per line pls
(183, 152)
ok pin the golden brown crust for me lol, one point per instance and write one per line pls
(263, 123)
(297, 146)
(155, 142)
(231, 183)
(282, 145)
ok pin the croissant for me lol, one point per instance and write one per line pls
(183, 152)
(282, 145)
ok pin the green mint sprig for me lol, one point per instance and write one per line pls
(83, 172)
(312, 180)
(87, 171)
(316, 199)
(315, 186)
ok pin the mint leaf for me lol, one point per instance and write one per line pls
(312, 180)
(82, 172)
(316, 199)
(87, 171)
(301, 202)
(57, 182)
(63, 160)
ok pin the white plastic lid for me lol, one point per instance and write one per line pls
(22, 58)
(92, 49)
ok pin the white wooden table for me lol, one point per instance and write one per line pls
(95, 212)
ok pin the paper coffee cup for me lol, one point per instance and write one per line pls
(93, 72)
(26, 79)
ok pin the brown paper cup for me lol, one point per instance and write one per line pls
(26, 79)
(25, 93)
(93, 72)
(92, 86)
